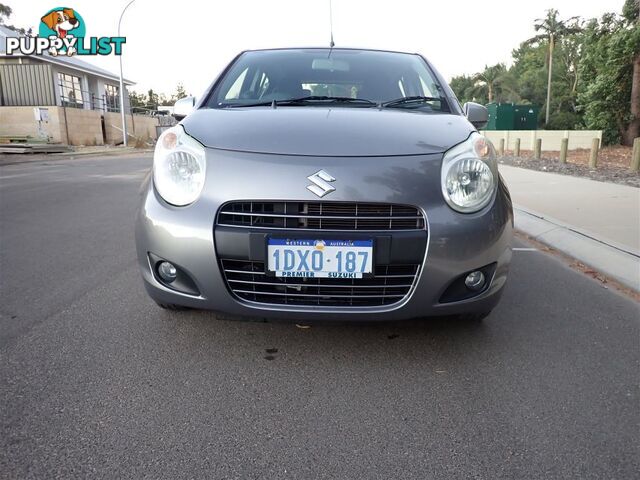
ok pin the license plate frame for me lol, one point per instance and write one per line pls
(331, 245)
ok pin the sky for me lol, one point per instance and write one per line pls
(191, 41)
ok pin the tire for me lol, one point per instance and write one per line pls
(171, 307)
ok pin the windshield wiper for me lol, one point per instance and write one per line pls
(238, 105)
(410, 101)
(326, 99)
(321, 99)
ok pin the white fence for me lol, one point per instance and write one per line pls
(551, 139)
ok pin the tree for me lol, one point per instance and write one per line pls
(489, 79)
(631, 10)
(152, 100)
(5, 13)
(609, 96)
(552, 29)
(179, 93)
(162, 99)
(137, 99)
(493, 82)
(569, 54)
(592, 69)
(462, 86)
(631, 13)
(529, 72)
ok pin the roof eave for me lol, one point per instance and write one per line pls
(71, 66)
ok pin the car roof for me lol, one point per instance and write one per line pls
(331, 48)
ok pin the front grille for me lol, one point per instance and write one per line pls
(321, 216)
(390, 284)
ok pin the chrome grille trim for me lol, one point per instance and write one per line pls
(290, 228)
(330, 217)
(390, 284)
(316, 216)
(307, 285)
(318, 295)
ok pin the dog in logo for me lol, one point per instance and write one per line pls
(61, 21)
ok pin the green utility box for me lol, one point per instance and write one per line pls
(508, 116)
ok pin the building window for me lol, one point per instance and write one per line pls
(112, 98)
(70, 91)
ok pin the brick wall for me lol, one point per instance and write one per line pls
(145, 127)
(21, 121)
(113, 127)
(142, 126)
(84, 126)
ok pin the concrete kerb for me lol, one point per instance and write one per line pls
(615, 261)
(18, 159)
(103, 152)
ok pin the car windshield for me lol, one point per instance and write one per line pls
(320, 77)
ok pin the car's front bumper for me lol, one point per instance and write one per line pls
(451, 245)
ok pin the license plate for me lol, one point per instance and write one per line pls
(319, 258)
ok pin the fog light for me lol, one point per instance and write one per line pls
(167, 272)
(475, 280)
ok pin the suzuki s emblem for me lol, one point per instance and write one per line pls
(320, 186)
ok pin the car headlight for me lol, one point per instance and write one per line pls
(179, 167)
(469, 174)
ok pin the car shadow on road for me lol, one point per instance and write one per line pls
(440, 339)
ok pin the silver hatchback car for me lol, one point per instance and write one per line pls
(312, 184)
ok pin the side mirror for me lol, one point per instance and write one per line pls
(477, 114)
(183, 107)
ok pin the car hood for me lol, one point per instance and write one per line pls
(321, 131)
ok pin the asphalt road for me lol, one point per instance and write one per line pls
(99, 382)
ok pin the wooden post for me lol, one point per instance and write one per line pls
(635, 156)
(564, 147)
(501, 149)
(593, 158)
(516, 148)
(538, 149)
